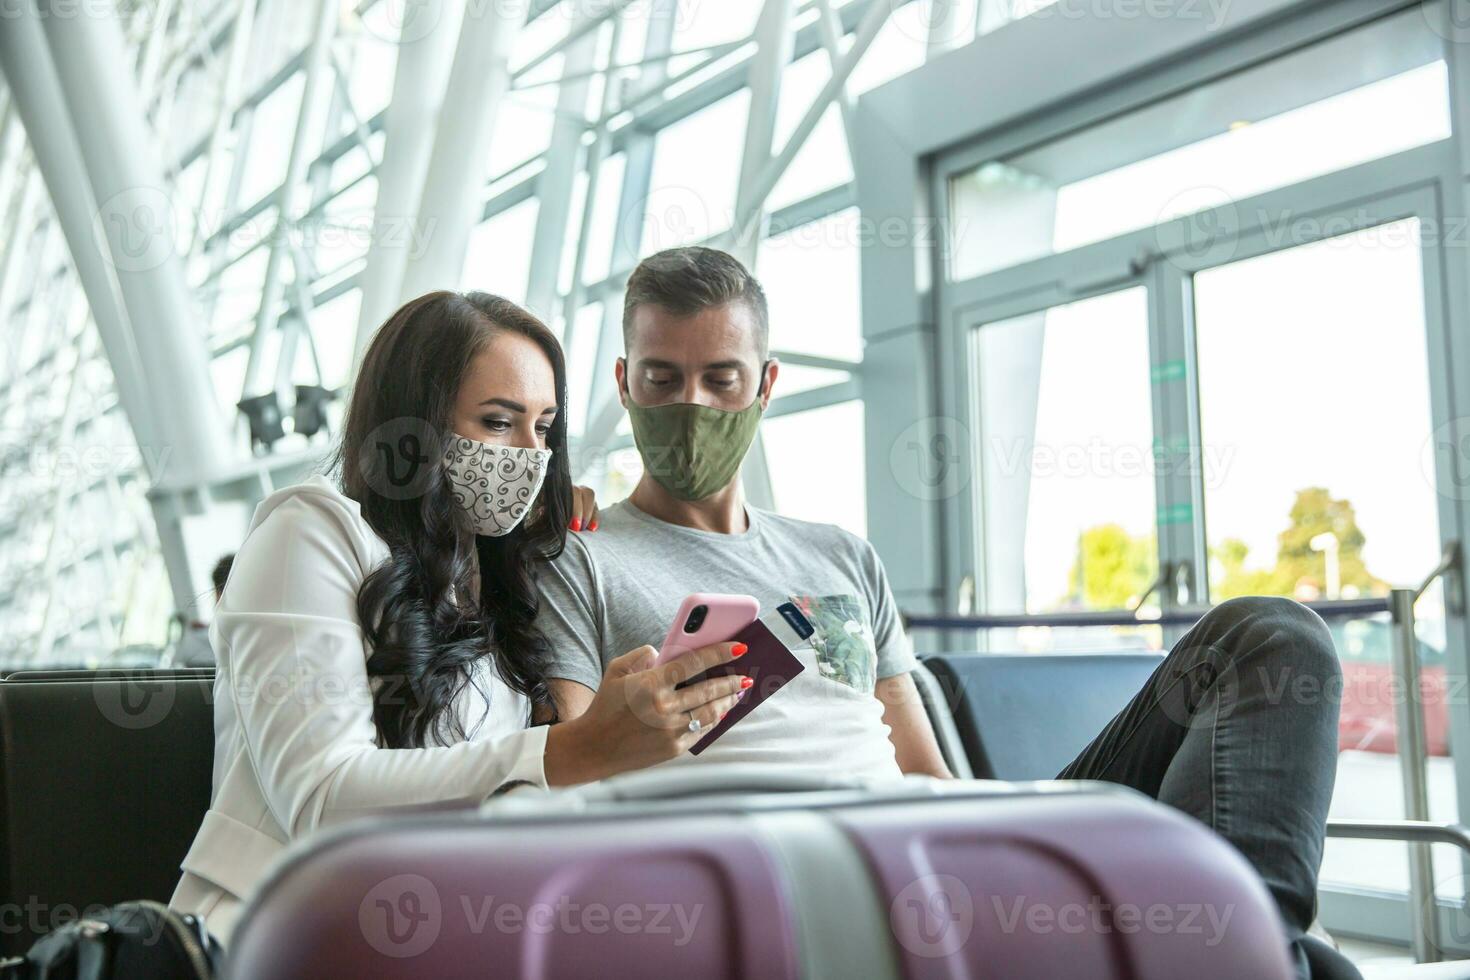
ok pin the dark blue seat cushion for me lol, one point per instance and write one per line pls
(1025, 716)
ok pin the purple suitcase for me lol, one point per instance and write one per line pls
(968, 879)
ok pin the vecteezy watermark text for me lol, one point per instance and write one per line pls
(402, 916)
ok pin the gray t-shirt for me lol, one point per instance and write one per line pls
(619, 587)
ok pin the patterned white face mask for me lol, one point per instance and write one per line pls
(496, 485)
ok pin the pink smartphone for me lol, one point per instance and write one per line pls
(707, 617)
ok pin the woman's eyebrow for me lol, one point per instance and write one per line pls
(516, 406)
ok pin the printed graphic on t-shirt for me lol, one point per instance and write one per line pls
(842, 639)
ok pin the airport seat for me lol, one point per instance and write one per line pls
(10, 670)
(939, 706)
(107, 673)
(1025, 716)
(103, 783)
(927, 879)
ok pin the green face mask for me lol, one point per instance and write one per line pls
(692, 450)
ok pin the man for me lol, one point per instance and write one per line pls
(695, 379)
(1237, 727)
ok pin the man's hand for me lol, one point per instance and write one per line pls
(913, 738)
(908, 727)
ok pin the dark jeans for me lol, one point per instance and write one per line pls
(1238, 728)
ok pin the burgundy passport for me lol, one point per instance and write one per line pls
(768, 663)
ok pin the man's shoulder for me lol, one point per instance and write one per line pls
(616, 523)
(585, 550)
(830, 538)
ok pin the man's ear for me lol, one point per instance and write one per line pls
(768, 380)
(620, 372)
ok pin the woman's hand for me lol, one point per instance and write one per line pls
(584, 509)
(637, 718)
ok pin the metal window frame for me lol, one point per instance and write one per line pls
(905, 158)
(227, 46)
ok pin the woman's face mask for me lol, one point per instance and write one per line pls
(496, 485)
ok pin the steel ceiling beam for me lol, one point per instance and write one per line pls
(134, 206)
(425, 52)
(454, 185)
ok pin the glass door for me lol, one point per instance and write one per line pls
(1258, 405)
(1062, 429)
(1317, 397)
(1242, 290)
(1054, 374)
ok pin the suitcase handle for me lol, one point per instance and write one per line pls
(683, 781)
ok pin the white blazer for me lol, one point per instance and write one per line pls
(295, 744)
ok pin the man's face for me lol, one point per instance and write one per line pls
(709, 358)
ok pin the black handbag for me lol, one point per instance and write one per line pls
(130, 940)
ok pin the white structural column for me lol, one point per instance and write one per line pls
(604, 408)
(454, 187)
(425, 52)
(36, 96)
(293, 197)
(150, 60)
(596, 156)
(241, 33)
(829, 23)
(770, 175)
(126, 175)
(774, 44)
(555, 185)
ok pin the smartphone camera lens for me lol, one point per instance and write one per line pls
(696, 619)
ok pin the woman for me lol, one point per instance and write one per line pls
(375, 643)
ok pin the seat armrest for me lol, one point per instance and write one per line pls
(941, 718)
(1410, 831)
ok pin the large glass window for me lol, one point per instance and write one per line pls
(225, 197)
(810, 275)
(696, 171)
(901, 46)
(823, 161)
(524, 120)
(1357, 97)
(1064, 433)
(335, 333)
(271, 133)
(492, 266)
(1314, 405)
(816, 462)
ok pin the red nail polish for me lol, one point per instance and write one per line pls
(576, 524)
(592, 526)
(738, 650)
(745, 682)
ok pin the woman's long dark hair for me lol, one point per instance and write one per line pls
(425, 642)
